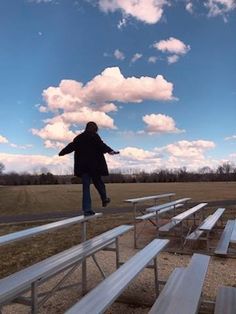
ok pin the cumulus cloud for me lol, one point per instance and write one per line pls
(189, 7)
(136, 57)
(73, 103)
(119, 55)
(152, 59)
(160, 123)
(147, 11)
(189, 149)
(57, 131)
(172, 59)
(219, 7)
(34, 163)
(41, 1)
(229, 138)
(26, 146)
(3, 139)
(189, 154)
(172, 45)
(122, 23)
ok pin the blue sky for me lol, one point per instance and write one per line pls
(157, 76)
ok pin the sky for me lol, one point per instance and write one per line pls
(157, 76)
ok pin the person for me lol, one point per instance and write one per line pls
(90, 164)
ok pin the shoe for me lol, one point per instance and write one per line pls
(106, 201)
(89, 213)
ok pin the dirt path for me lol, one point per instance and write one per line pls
(66, 214)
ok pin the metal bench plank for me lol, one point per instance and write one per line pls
(147, 198)
(223, 243)
(164, 210)
(101, 297)
(153, 214)
(233, 236)
(225, 301)
(146, 216)
(210, 221)
(169, 289)
(167, 227)
(186, 298)
(195, 235)
(189, 212)
(19, 235)
(15, 284)
(162, 206)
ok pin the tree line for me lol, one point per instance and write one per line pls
(225, 172)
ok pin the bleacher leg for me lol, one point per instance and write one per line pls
(135, 228)
(84, 264)
(207, 240)
(34, 298)
(117, 254)
(156, 276)
(182, 235)
(157, 223)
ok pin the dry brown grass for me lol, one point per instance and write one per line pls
(17, 200)
(36, 199)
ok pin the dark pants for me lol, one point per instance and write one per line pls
(99, 185)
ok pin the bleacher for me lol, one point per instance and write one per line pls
(181, 293)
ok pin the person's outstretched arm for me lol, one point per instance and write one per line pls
(105, 148)
(68, 149)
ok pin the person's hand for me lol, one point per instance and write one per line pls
(113, 152)
(60, 154)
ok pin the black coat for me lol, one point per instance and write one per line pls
(88, 154)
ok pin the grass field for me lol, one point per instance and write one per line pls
(17, 200)
(43, 199)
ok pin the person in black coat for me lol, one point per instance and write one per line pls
(90, 163)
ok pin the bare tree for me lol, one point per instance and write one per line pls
(2, 167)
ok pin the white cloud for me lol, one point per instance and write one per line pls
(54, 144)
(189, 149)
(172, 45)
(136, 153)
(119, 55)
(3, 139)
(233, 137)
(122, 23)
(136, 57)
(57, 131)
(159, 123)
(147, 11)
(34, 163)
(189, 7)
(172, 59)
(82, 116)
(189, 154)
(152, 59)
(26, 146)
(220, 7)
(40, 1)
(73, 103)
(109, 86)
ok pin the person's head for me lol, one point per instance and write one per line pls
(91, 127)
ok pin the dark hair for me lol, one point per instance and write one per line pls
(91, 127)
